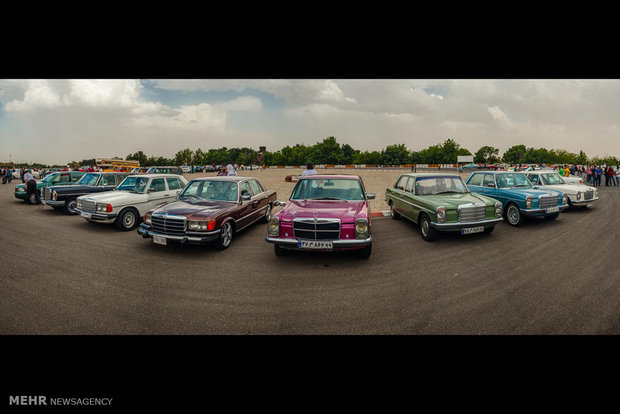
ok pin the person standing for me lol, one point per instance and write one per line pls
(31, 187)
(599, 172)
(309, 170)
(231, 170)
(617, 174)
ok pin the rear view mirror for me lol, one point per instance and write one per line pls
(370, 196)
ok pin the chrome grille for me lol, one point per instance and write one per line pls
(316, 229)
(471, 213)
(89, 206)
(589, 194)
(47, 194)
(547, 201)
(167, 225)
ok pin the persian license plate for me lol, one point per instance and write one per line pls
(160, 240)
(85, 214)
(471, 230)
(552, 210)
(315, 244)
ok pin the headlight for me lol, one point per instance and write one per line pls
(441, 214)
(528, 202)
(498, 209)
(79, 203)
(21, 189)
(103, 208)
(273, 228)
(361, 228)
(54, 195)
(564, 198)
(147, 218)
(596, 193)
(200, 225)
(578, 195)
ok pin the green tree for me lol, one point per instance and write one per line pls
(138, 156)
(395, 154)
(514, 154)
(183, 157)
(487, 155)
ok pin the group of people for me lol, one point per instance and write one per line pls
(594, 174)
(7, 175)
(228, 170)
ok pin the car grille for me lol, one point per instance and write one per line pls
(167, 225)
(89, 206)
(319, 229)
(547, 201)
(589, 194)
(47, 194)
(472, 213)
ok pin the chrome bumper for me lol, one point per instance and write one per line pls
(97, 216)
(53, 203)
(338, 244)
(460, 225)
(583, 202)
(539, 211)
(205, 237)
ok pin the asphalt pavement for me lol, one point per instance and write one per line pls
(63, 275)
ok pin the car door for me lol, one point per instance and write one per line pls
(398, 193)
(259, 198)
(410, 206)
(247, 210)
(157, 193)
(174, 186)
(488, 184)
(474, 182)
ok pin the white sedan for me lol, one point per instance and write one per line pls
(578, 194)
(133, 197)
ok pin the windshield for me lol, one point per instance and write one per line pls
(89, 179)
(512, 180)
(328, 189)
(210, 190)
(49, 178)
(439, 185)
(552, 179)
(133, 184)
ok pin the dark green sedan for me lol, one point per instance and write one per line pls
(442, 202)
(57, 178)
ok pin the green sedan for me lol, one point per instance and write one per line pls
(57, 178)
(442, 202)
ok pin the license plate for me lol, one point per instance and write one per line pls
(315, 244)
(472, 230)
(84, 214)
(552, 210)
(160, 240)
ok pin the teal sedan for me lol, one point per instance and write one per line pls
(57, 178)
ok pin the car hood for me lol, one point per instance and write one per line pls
(346, 211)
(452, 201)
(69, 188)
(524, 192)
(114, 197)
(565, 188)
(195, 209)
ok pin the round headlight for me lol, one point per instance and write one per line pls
(273, 228)
(361, 228)
(441, 214)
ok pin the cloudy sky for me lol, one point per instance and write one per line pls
(58, 120)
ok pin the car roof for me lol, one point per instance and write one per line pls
(234, 178)
(432, 174)
(156, 175)
(330, 176)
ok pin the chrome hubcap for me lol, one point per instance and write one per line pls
(513, 215)
(425, 227)
(129, 220)
(226, 234)
(392, 210)
(72, 206)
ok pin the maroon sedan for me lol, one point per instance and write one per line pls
(210, 210)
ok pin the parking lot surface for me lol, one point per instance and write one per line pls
(63, 275)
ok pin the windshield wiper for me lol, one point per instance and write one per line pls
(191, 195)
(522, 185)
(327, 198)
(449, 191)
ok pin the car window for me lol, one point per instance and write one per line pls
(107, 180)
(533, 178)
(256, 187)
(409, 185)
(119, 178)
(475, 179)
(488, 179)
(65, 178)
(173, 183)
(157, 185)
(76, 177)
(402, 182)
(245, 189)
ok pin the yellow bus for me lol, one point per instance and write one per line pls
(116, 164)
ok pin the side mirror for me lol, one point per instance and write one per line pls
(370, 196)
(179, 192)
(150, 190)
(279, 203)
(246, 197)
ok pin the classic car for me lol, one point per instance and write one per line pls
(442, 202)
(518, 195)
(579, 195)
(186, 169)
(325, 213)
(140, 170)
(65, 197)
(210, 210)
(57, 178)
(131, 199)
(165, 170)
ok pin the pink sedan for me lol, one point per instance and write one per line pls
(326, 213)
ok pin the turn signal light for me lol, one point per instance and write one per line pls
(210, 225)
(108, 208)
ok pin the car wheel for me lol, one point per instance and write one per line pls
(32, 199)
(513, 215)
(279, 251)
(428, 233)
(489, 230)
(226, 236)
(70, 206)
(126, 220)
(267, 215)
(552, 216)
(365, 252)
(393, 212)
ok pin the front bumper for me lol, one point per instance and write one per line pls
(583, 202)
(460, 225)
(200, 238)
(338, 244)
(541, 211)
(103, 217)
(54, 203)
(21, 195)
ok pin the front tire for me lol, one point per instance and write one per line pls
(126, 220)
(513, 215)
(393, 212)
(428, 233)
(365, 252)
(70, 207)
(226, 236)
(278, 251)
